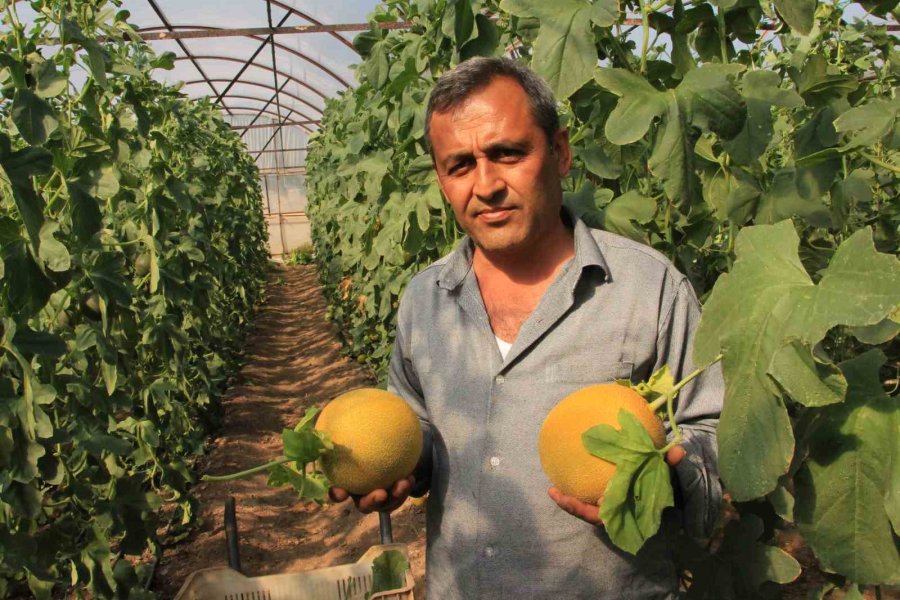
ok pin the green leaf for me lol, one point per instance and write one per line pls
(625, 215)
(640, 489)
(308, 486)
(710, 100)
(861, 286)
(783, 201)
(485, 43)
(27, 288)
(49, 82)
(302, 446)
(110, 374)
(463, 22)
(309, 417)
(378, 67)
(799, 14)
(805, 378)
(818, 84)
(20, 166)
(868, 124)
(841, 488)
(608, 443)
(28, 341)
(24, 499)
(15, 68)
(753, 562)
(767, 299)
(672, 157)
(783, 503)
(681, 50)
(761, 90)
(389, 571)
(755, 436)
(33, 117)
(101, 179)
(564, 51)
(602, 158)
(879, 333)
(54, 254)
(640, 103)
(585, 203)
(85, 212)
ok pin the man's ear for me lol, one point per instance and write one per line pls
(562, 150)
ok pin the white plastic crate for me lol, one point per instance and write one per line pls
(343, 582)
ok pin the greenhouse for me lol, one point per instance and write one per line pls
(466, 298)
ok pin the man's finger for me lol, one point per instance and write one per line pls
(575, 507)
(337, 495)
(402, 488)
(373, 500)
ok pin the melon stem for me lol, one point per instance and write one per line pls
(669, 400)
(248, 472)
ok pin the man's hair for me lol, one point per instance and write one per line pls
(455, 86)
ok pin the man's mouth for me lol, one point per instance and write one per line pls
(496, 214)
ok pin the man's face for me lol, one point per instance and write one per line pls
(497, 169)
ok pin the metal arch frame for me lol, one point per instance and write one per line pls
(254, 83)
(293, 113)
(255, 109)
(287, 49)
(271, 100)
(294, 11)
(167, 25)
(259, 66)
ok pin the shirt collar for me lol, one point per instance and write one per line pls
(587, 254)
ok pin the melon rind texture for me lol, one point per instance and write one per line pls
(565, 460)
(377, 440)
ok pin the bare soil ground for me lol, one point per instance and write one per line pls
(293, 361)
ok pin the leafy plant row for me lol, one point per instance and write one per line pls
(757, 145)
(133, 253)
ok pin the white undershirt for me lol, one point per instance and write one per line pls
(504, 347)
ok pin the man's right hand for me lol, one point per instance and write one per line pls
(381, 500)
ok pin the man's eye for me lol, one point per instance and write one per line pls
(457, 167)
(509, 154)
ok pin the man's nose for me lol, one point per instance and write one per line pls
(489, 183)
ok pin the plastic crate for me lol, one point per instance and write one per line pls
(343, 582)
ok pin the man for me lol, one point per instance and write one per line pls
(531, 306)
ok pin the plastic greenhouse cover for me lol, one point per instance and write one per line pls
(307, 67)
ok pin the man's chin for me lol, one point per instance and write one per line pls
(500, 245)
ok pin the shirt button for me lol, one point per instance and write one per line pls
(495, 461)
(500, 379)
(490, 551)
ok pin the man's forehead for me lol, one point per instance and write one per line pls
(503, 94)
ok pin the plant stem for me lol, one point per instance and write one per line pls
(645, 23)
(251, 471)
(656, 404)
(723, 44)
(877, 161)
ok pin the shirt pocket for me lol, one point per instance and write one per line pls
(587, 369)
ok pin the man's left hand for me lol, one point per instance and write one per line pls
(590, 513)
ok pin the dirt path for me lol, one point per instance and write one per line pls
(293, 361)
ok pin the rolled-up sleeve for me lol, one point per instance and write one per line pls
(697, 412)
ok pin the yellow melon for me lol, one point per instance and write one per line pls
(565, 460)
(377, 440)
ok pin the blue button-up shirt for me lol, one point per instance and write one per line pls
(618, 309)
